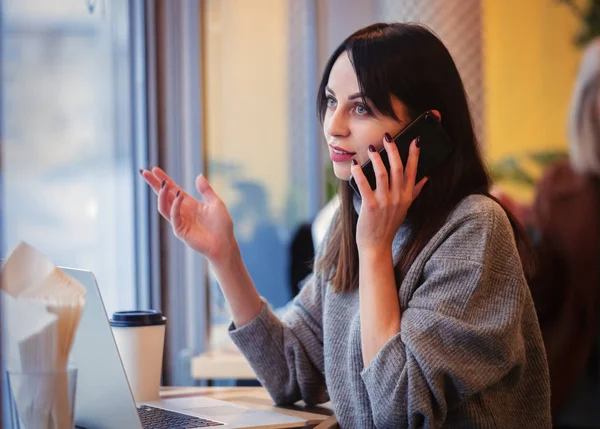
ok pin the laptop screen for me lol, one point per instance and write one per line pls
(104, 399)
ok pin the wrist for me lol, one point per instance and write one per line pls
(228, 258)
(235, 282)
(375, 253)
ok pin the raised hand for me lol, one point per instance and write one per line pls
(206, 227)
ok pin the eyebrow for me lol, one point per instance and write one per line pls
(350, 97)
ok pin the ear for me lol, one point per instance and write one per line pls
(437, 113)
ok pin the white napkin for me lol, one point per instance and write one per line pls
(42, 308)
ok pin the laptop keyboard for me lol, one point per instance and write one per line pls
(157, 418)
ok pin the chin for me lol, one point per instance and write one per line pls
(342, 173)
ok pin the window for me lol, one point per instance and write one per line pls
(261, 133)
(69, 140)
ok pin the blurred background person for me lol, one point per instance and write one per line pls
(565, 222)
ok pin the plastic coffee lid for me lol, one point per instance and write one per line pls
(126, 319)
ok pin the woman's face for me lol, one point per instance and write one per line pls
(348, 127)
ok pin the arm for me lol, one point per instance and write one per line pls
(288, 358)
(238, 288)
(287, 354)
(381, 214)
(207, 228)
(379, 307)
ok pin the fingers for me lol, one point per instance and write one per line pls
(404, 178)
(417, 189)
(165, 201)
(362, 183)
(206, 190)
(396, 167)
(381, 174)
(175, 214)
(162, 188)
(412, 163)
(155, 177)
(152, 180)
(160, 174)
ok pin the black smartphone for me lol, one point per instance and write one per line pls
(435, 146)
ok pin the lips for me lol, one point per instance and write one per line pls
(337, 154)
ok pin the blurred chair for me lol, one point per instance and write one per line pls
(302, 254)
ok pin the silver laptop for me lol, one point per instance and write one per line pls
(104, 399)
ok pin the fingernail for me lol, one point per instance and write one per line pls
(178, 192)
(388, 137)
(354, 162)
(418, 142)
(371, 148)
(164, 182)
(141, 171)
(151, 167)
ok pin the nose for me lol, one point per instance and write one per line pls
(337, 125)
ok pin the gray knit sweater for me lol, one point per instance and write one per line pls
(469, 353)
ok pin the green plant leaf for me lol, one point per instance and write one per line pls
(508, 169)
(547, 157)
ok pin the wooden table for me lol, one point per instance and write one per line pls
(320, 417)
(223, 360)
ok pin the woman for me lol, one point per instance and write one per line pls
(448, 338)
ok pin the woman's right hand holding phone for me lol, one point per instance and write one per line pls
(205, 227)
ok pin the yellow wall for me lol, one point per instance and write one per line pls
(530, 64)
(245, 83)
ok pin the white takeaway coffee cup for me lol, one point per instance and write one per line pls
(140, 338)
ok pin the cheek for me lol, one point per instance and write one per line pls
(368, 136)
(326, 121)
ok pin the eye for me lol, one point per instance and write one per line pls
(330, 101)
(361, 110)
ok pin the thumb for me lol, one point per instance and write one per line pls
(205, 189)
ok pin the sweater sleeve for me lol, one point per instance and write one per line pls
(461, 333)
(287, 354)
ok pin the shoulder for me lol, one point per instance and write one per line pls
(477, 230)
(481, 213)
(472, 259)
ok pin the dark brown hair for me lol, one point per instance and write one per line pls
(411, 63)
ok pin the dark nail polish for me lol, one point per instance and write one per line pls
(371, 148)
(388, 137)
(418, 143)
(141, 171)
(178, 192)
(354, 162)
(164, 182)
(151, 167)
